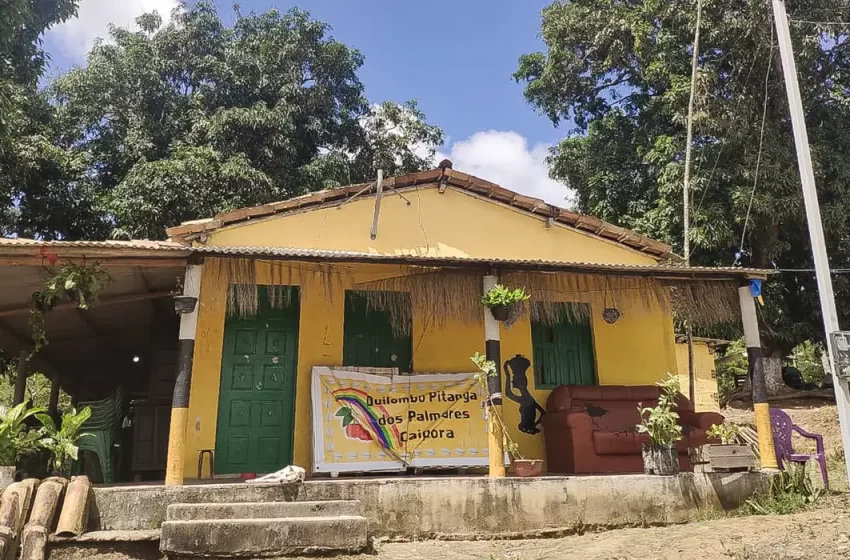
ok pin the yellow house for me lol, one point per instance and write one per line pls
(705, 374)
(390, 275)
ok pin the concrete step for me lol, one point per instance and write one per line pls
(250, 538)
(261, 510)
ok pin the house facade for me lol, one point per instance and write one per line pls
(391, 281)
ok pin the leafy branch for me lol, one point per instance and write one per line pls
(487, 369)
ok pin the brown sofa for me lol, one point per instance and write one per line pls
(591, 429)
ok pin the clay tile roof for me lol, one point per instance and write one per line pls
(188, 231)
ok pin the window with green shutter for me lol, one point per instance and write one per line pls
(369, 339)
(563, 352)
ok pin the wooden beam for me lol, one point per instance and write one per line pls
(112, 300)
(21, 378)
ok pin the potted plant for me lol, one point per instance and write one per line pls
(522, 467)
(16, 439)
(502, 301)
(79, 283)
(61, 441)
(728, 454)
(661, 423)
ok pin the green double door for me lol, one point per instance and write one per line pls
(256, 413)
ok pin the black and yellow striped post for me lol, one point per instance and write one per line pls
(492, 349)
(756, 367)
(180, 403)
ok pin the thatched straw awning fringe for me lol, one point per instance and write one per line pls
(451, 293)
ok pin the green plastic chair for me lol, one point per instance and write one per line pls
(104, 425)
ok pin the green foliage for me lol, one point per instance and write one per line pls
(16, 440)
(621, 72)
(807, 357)
(179, 121)
(732, 364)
(790, 491)
(500, 295)
(487, 369)
(726, 433)
(79, 283)
(38, 389)
(62, 441)
(661, 421)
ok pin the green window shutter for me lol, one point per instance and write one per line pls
(368, 337)
(563, 352)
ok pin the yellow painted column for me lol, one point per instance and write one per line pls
(180, 404)
(760, 405)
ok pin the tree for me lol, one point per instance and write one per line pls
(620, 71)
(179, 121)
(25, 151)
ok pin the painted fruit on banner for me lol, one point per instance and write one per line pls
(366, 422)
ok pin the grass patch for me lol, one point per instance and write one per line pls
(790, 491)
(708, 514)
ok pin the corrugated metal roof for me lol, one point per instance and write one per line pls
(439, 260)
(145, 248)
(111, 244)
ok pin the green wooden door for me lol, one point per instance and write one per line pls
(563, 353)
(368, 336)
(256, 412)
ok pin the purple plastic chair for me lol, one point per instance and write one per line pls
(782, 430)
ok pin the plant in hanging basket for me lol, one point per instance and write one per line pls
(661, 424)
(79, 283)
(502, 301)
(184, 304)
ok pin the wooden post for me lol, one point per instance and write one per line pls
(180, 403)
(53, 401)
(495, 437)
(21, 378)
(756, 367)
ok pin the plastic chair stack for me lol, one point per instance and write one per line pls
(104, 425)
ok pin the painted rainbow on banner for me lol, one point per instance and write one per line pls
(387, 436)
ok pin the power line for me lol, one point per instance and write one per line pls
(723, 145)
(808, 22)
(761, 141)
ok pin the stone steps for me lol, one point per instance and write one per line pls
(245, 530)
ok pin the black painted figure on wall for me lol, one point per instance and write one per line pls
(516, 378)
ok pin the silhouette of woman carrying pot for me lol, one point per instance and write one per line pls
(515, 374)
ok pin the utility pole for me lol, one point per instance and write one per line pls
(810, 198)
(686, 245)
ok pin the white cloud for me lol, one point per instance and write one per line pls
(74, 38)
(504, 157)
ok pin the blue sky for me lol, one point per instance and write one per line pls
(455, 57)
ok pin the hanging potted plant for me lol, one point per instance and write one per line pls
(522, 467)
(16, 439)
(79, 283)
(503, 301)
(661, 423)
